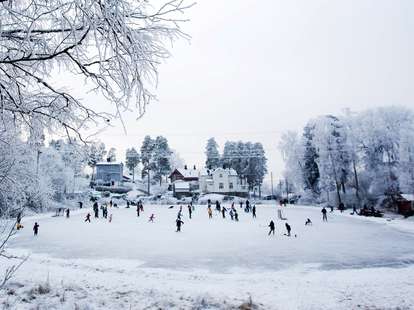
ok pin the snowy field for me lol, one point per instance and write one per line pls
(348, 263)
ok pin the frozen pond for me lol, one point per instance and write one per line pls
(221, 244)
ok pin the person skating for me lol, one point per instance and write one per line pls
(190, 211)
(241, 204)
(36, 228)
(151, 218)
(105, 211)
(138, 209)
(67, 213)
(218, 208)
(80, 204)
(236, 216)
(231, 214)
(248, 205)
(179, 222)
(308, 222)
(223, 212)
(210, 212)
(288, 229)
(88, 218)
(324, 216)
(272, 228)
(110, 218)
(254, 211)
(96, 209)
(18, 221)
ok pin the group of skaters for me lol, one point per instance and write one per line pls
(104, 210)
(234, 215)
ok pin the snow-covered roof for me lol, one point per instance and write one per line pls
(181, 186)
(106, 163)
(229, 171)
(409, 197)
(189, 173)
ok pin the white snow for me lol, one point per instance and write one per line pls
(215, 264)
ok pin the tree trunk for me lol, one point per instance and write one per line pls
(149, 183)
(356, 183)
(337, 185)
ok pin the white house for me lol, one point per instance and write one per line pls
(223, 181)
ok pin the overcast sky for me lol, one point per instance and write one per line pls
(254, 69)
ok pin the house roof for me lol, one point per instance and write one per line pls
(230, 171)
(105, 163)
(187, 173)
(409, 197)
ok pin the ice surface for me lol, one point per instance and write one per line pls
(221, 244)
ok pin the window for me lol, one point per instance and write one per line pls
(221, 185)
(231, 185)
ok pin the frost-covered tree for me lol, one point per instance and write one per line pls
(115, 46)
(162, 155)
(147, 159)
(212, 154)
(132, 160)
(230, 155)
(292, 154)
(310, 168)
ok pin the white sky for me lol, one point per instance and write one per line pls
(255, 68)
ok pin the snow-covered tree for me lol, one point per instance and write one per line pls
(95, 153)
(162, 155)
(310, 168)
(132, 160)
(212, 154)
(114, 45)
(147, 159)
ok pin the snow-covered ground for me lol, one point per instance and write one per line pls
(347, 263)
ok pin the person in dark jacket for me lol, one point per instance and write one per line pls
(36, 228)
(67, 213)
(179, 223)
(223, 212)
(88, 218)
(288, 229)
(324, 216)
(272, 228)
(96, 209)
(236, 216)
(190, 211)
(254, 211)
(308, 222)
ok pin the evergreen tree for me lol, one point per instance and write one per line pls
(162, 154)
(212, 154)
(230, 155)
(95, 154)
(147, 159)
(132, 160)
(310, 168)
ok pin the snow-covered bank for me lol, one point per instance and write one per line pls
(212, 264)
